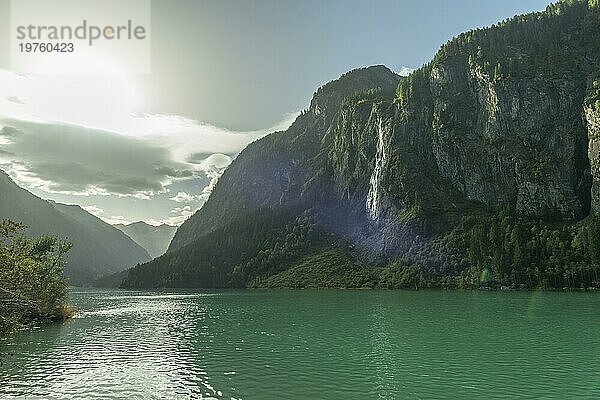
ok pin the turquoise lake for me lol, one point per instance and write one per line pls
(330, 344)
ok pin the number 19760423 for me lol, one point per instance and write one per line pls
(36, 47)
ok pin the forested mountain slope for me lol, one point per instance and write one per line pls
(98, 248)
(481, 167)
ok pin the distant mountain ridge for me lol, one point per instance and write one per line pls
(98, 248)
(154, 239)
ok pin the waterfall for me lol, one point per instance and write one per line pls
(374, 196)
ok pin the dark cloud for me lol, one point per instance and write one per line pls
(66, 175)
(10, 131)
(69, 158)
(175, 173)
(132, 184)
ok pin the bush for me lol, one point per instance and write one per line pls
(32, 285)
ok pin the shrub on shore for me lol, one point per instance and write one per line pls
(32, 285)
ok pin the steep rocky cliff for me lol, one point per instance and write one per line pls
(502, 126)
(592, 119)
(278, 169)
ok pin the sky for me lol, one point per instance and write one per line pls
(131, 147)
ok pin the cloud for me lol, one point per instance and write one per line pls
(95, 210)
(116, 219)
(100, 213)
(62, 158)
(189, 140)
(198, 158)
(15, 99)
(71, 136)
(77, 160)
(156, 222)
(181, 214)
(405, 71)
(9, 131)
(213, 167)
(183, 197)
(285, 122)
(179, 210)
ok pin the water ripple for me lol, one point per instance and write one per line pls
(298, 345)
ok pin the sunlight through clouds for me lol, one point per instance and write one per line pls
(89, 141)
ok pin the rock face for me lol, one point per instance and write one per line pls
(286, 168)
(509, 137)
(592, 119)
(507, 116)
(471, 131)
(525, 148)
(516, 141)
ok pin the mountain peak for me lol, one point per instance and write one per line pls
(355, 81)
(98, 248)
(154, 239)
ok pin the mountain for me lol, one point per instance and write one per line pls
(480, 168)
(154, 239)
(98, 248)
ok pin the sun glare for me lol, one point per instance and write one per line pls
(101, 101)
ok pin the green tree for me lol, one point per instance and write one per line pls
(32, 285)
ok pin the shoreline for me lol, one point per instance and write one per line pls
(283, 288)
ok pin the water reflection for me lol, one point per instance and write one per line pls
(310, 344)
(117, 343)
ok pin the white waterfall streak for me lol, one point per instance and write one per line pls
(374, 196)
